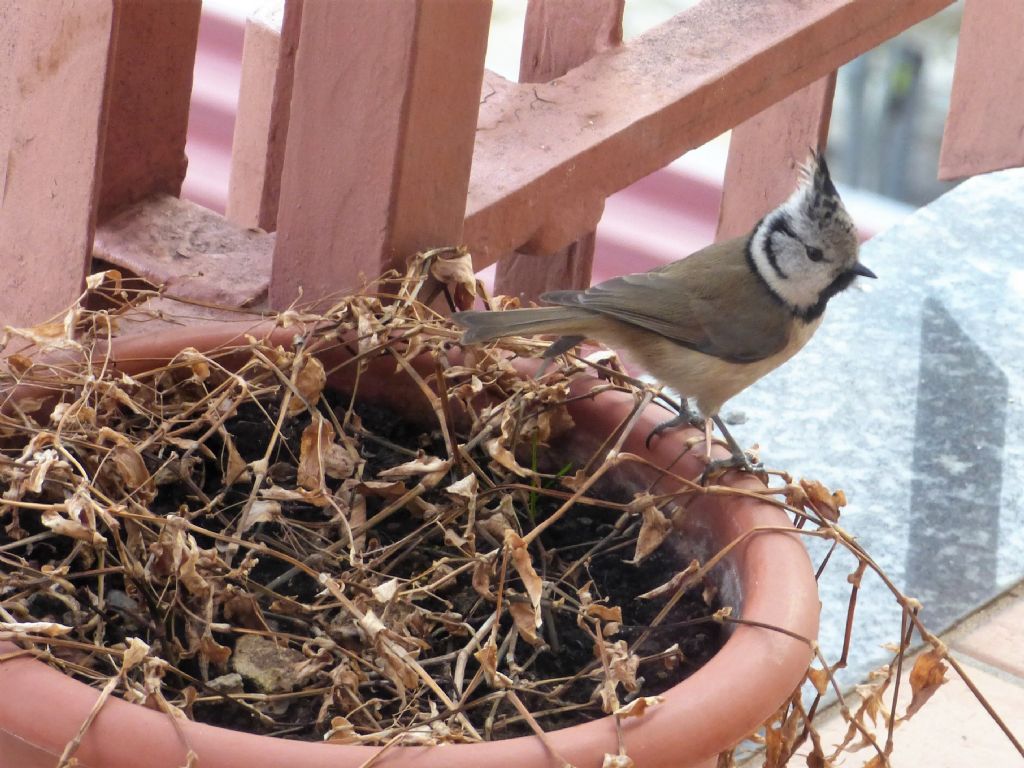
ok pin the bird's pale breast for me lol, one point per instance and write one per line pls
(710, 380)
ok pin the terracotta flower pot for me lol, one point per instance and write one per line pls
(768, 578)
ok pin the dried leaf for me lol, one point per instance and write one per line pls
(73, 528)
(722, 614)
(605, 358)
(341, 731)
(430, 469)
(261, 511)
(175, 555)
(316, 437)
(819, 679)
(132, 469)
(50, 335)
(466, 488)
(384, 593)
(682, 580)
(654, 528)
(389, 490)
(309, 383)
(523, 615)
(576, 480)
(337, 464)
(482, 573)
(503, 457)
(604, 612)
(456, 271)
(134, 654)
(638, 706)
(370, 623)
(487, 657)
(823, 501)
(277, 493)
(928, 674)
(196, 361)
(521, 561)
(43, 628)
(41, 462)
(19, 364)
(622, 665)
(214, 652)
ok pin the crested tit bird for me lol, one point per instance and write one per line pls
(713, 323)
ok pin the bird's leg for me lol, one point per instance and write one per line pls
(740, 459)
(684, 417)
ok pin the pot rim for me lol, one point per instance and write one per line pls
(739, 688)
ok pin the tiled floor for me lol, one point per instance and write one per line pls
(952, 730)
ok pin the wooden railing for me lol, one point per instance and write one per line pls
(368, 130)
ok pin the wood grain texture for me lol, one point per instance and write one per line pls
(380, 139)
(54, 60)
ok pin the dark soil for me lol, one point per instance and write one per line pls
(568, 655)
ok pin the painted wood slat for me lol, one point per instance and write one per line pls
(54, 60)
(264, 107)
(380, 139)
(558, 35)
(150, 91)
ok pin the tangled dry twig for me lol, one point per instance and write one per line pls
(309, 565)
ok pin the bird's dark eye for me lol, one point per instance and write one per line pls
(814, 254)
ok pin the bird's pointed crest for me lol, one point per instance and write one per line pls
(817, 193)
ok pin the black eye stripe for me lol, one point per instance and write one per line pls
(781, 224)
(773, 262)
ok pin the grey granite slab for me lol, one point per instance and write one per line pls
(909, 399)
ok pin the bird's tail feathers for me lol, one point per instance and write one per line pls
(485, 326)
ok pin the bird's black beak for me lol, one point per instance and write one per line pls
(860, 269)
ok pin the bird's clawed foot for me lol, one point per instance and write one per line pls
(744, 461)
(740, 459)
(685, 417)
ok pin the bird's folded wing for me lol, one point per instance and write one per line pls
(720, 312)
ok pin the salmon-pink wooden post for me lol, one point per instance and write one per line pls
(766, 151)
(264, 106)
(985, 126)
(380, 139)
(150, 90)
(53, 74)
(558, 36)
